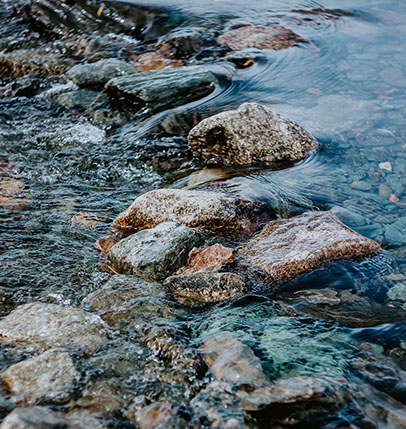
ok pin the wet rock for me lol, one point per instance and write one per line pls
(395, 232)
(104, 244)
(288, 248)
(197, 288)
(23, 62)
(160, 89)
(386, 166)
(10, 194)
(211, 211)
(154, 61)
(38, 326)
(155, 415)
(100, 397)
(361, 185)
(48, 376)
(208, 259)
(86, 220)
(154, 253)
(34, 418)
(398, 292)
(250, 135)
(259, 37)
(99, 73)
(82, 100)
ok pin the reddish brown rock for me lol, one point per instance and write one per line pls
(104, 244)
(211, 211)
(155, 415)
(154, 61)
(287, 248)
(86, 220)
(259, 37)
(208, 259)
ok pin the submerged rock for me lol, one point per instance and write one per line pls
(34, 418)
(250, 135)
(288, 248)
(38, 326)
(154, 253)
(197, 288)
(47, 376)
(11, 194)
(211, 211)
(154, 61)
(99, 73)
(259, 37)
(161, 89)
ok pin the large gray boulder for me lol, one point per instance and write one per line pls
(250, 135)
(154, 253)
(160, 89)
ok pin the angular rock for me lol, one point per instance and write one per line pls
(208, 259)
(34, 418)
(250, 135)
(47, 376)
(99, 73)
(197, 288)
(259, 37)
(291, 247)
(37, 327)
(160, 89)
(212, 212)
(154, 253)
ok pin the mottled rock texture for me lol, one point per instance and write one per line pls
(99, 73)
(197, 288)
(47, 376)
(211, 211)
(154, 253)
(250, 135)
(34, 418)
(287, 248)
(259, 37)
(160, 89)
(38, 326)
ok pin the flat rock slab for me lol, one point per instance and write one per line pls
(259, 37)
(99, 73)
(47, 376)
(289, 248)
(154, 253)
(198, 288)
(211, 211)
(250, 135)
(161, 89)
(37, 327)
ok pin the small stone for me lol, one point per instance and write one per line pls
(154, 253)
(287, 248)
(211, 211)
(207, 175)
(100, 397)
(203, 287)
(361, 185)
(155, 415)
(47, 376)
(393, 198)
(104, 244)
(259, 37)
(99, 73)
(250, 135)
(34, 418)
(398, 292)
(154, 61)
(10, 189)
(387, 166)
(86, 220)
(38, 327)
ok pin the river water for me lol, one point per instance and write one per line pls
(345, 83)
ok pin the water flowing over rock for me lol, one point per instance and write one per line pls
(154, 253)
(251, 135)
(211, 211)
(160, 89)
(38, 326)
(47, 376)
(288, 248)
(197, 288)
(259, 37)
(99, 73)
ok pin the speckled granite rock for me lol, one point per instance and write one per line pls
(197, 288)
(99, 73)
(37, 326)
(287, 248)
(154, 253)
(47, 376)
(160, 89)
(250, 135)
(259, 37)
(210, 211)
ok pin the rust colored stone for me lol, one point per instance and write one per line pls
(104, 244)
(154, 61)
(259, 37)
(208, 259)
(288, 248)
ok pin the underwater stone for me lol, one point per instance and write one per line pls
(34, 418)
(395, 232)
(154, 253)
(38, 326)
(211, 211)
(250, 135)
(47, 376)
(285, 249)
